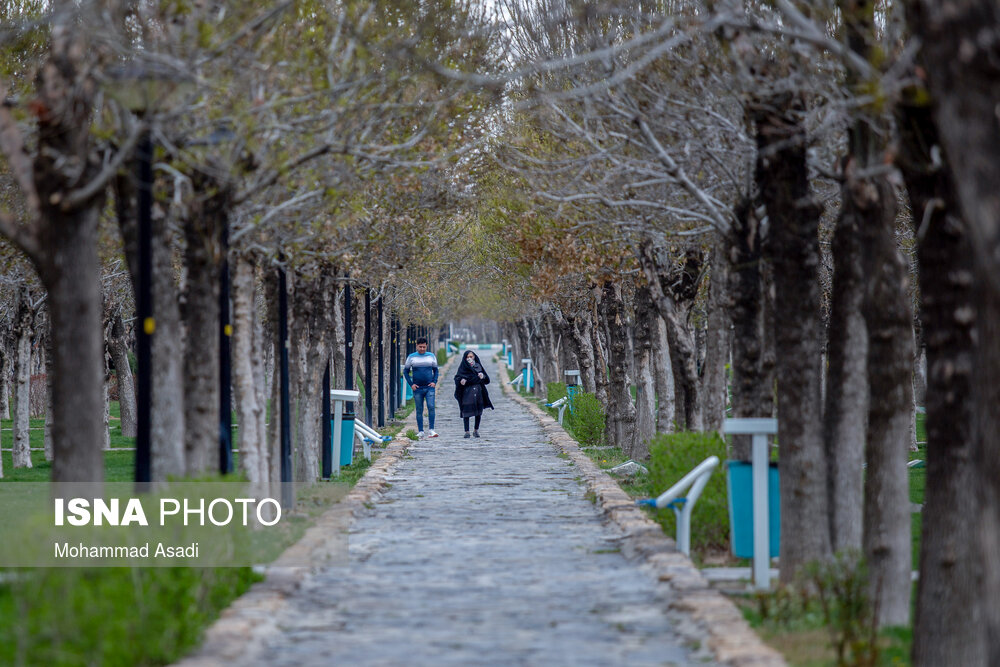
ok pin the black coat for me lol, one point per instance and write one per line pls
(472, 396)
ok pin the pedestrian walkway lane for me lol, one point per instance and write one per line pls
(483, 552)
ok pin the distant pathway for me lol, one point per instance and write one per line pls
(483, 551)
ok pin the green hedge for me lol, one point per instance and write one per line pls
(673, 455)
(442, 356)
(586, 421)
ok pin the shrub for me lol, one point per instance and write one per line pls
(673, 455)
(442, 356)
(586, 421)
(555, 391)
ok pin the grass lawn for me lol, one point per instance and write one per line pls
(125, 616)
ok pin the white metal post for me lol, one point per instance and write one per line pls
(761, 429)
(761, 533)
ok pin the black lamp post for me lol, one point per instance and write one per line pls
(327, 454)
(348, 349)
(369, 385)
(225, 358)
(381, 369)
(144, 307)
(287, 500)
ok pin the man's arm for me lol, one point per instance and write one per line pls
(406, 370)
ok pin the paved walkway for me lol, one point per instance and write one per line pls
(483, 551)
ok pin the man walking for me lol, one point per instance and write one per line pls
(421, 373)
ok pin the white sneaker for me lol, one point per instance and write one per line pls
(420, 435)
(433, 434)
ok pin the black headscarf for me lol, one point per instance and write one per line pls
(471, 376)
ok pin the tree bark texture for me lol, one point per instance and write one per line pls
(620, 424)
(601, 388)
(6, 368)
(21, 454)
(581, 339)
(311, 324)
(846, 399)
(888, 318)
(665, 404)
(66, 251)
(118, 349)
(646, 335)
(961, 49)
(714, 387)
(202, 259)
(782, 175)
(752, 379)
(248, 376)
(673, 292)
(947, 627)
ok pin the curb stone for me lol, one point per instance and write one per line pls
(244, 628)
(704, 615)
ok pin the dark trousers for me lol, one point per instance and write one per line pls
(466, 420)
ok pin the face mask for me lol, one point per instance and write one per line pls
(472, 362)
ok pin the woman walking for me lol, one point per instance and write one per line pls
(470, 390)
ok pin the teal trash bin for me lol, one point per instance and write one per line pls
(510, 358)
(407, 389)
(740, 483)
(346, 440)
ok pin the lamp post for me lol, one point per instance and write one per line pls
(287, 500)
(381, 367)
(144, 308)
(369, 385)
(139, 87)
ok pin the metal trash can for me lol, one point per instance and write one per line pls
(740, 482)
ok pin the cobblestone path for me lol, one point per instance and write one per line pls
(484, 551)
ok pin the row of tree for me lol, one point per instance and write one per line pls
(798, 191)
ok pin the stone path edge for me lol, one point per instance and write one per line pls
(718, 623)
(244, 627)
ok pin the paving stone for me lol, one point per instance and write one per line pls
(482, 551)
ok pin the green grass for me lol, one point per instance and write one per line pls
(126, 616)
(112, 616)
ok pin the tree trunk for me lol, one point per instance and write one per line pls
(580, 329)
(48, 404)
(248, 374)
(846, 399)
(620, 424)
(665, 405)
(201, 318)
(70, 275)
(647, 321)
(21, 453)
(600, 359)
(959, 56)
(717, 343)
(947, 627)
(888, 319)
(673, 293)
(310, 331)
(782, 175)
(118, 348)
(752, 379)
(106, 399)
(6, 368)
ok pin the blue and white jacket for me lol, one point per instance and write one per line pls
(424, 369)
